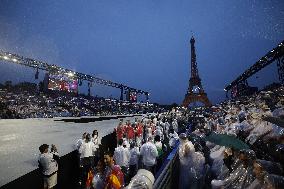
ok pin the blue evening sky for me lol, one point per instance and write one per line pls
(144, 43)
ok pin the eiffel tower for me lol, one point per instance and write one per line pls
(195, 92)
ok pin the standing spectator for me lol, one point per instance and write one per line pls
(78, 145)
(87, 150)
(148, 132)
(186, 150)
(80, 141)
(119, 131)
(130, 133)
(98, 180)
(48, 167)
(144, 179)
(175, 125)
(95, 140)
(113, 174)
(173, 138)
(160, 148)
(121, 156)
(139, 133)
(133, 161)
(159, 132)
(149, 154)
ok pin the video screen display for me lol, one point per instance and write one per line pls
(63, 82)
(132, 96)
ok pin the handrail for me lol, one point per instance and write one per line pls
(165, 172)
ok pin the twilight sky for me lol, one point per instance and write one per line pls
(144, 43)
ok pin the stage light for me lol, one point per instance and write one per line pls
(70, 74)
(14, 60)
(5, 57)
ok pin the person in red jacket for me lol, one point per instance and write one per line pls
(130, 133)
(139, 133)
(119, 131)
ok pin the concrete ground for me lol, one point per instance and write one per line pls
(20, 139)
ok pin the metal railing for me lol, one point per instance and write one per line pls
(168, 173)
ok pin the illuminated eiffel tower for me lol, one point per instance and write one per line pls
(195, 92)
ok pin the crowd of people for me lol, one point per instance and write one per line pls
(252, 157)
(141, 148)
(24, 100)
(247, 152)
(141, 145)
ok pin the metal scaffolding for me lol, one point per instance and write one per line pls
(275, 54)
(40, 65)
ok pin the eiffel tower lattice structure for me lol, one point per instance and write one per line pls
(195, 92)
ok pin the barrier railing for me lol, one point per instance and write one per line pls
(168, 173)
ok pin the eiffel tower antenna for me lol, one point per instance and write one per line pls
(195, 92)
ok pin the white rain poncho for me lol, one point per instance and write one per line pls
(217, 157)
(260, 129)
(191, 165)
(186, 151)
(241, 176)
(144, 179)
(269, 181)
(149, 153)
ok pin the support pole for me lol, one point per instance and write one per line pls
(280, 66)
(121, 93)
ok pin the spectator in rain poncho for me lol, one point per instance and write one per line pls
(148, 132)
(158, 131)
(261, 128)
(173, 138)
(264, 179)
(191, 164)
(175, 125)
(98, 180)
(149, 154)
(231, 128)
(167, 126)
(144, 179)
(133, 161)
(279, 111)
(241, 176)
(121, 156)
(217, 155)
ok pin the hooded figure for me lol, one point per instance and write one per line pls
(144, 179)
(186, 159)
(242, 176)
(264, 179)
